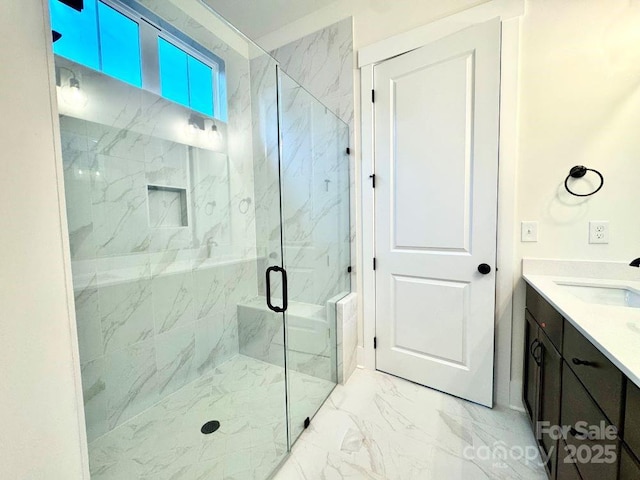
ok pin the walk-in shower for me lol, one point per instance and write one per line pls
(207, 200)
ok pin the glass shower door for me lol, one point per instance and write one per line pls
(314, 190)
(173, 217)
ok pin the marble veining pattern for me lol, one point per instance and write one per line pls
(381, 427)
(164, 442)
(322, 62)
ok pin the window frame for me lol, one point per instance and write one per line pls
(150, 28)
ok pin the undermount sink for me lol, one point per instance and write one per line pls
(614, 295)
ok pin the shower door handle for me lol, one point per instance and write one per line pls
(285, 300)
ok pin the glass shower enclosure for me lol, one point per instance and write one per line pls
(207, 199)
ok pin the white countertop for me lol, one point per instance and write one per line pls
(614, 330)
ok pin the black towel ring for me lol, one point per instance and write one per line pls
(580, 171)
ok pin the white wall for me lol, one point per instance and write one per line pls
(579, 105)
(40, 414)
(373, 20)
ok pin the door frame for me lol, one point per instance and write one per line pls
(507, 390)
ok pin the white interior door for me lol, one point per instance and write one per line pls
(436, 174)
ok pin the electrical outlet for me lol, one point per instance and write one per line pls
(598, 232)
(529, 232)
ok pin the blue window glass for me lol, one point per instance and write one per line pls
(200, 86)
(79, 30)
(174, 79)
(119, 45)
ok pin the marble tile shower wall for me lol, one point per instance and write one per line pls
(157, 308)
(264, 114)
(322, 63)
(314, 185)
(315, 209)
(149, 320)
(238, 92)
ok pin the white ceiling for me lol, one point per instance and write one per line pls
(256, 18)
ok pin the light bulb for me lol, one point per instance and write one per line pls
(194, 125)
(214, 133)
(73, 94)
(190, 130)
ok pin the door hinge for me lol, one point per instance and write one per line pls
(348, 151)
(373, 96)
(349, 269)
(373, 180)
(375, 342)
(307, 422)
(374, 263)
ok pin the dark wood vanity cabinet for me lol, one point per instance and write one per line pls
(595, 457)
(543, 374)
(630, 461)
(569, 383)
(567, 469)
(629, 465)
(600, 377)
(550, 385)
(531, 380)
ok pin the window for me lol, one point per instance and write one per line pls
(119, 45)
(132, 44)
(79, 30)
(173, 72)
(184, 79)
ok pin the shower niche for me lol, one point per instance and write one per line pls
(167, 206)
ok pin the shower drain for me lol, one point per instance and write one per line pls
(210, 427)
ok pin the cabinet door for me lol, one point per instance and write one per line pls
(550, 388)
(629, 466)
(567, 469)
(596, 456)
(632, 418)
(530, 383)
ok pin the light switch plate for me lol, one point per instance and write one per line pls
(598, 232)
(529, 232)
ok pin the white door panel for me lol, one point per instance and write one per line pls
(432, 161)
(436, 165)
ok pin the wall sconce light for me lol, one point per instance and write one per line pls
(72, 94)
(214, 133)
(196, 123)
(197, 126)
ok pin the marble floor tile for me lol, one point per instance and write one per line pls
(375, 427)
(381, 427)
(245, 395)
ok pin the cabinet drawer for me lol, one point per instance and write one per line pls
(566, 470)
(629, 466)
(602, 378)
(581, 413)
(631, 431)
(546, 316)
